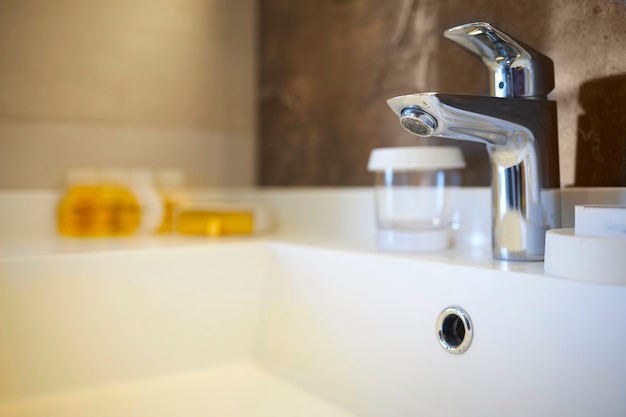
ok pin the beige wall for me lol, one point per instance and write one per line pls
(156, 83)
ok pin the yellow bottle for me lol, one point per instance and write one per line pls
(120, 210)
(91, 208)
(79, 212)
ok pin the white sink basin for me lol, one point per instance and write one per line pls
(305, 330)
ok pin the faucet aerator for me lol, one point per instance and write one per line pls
(418, 122)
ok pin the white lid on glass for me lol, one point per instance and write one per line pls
(416, 158)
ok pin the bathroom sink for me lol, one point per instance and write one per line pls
(336, 331)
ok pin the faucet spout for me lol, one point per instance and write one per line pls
(428, 114)
(512, 128)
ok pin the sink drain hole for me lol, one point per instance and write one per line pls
(454, 329)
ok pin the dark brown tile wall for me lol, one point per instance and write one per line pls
(601, 139)
(327, 68)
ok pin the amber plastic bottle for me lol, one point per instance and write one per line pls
(120, 210)
(96, 206)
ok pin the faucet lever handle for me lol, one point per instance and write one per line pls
(516, 70)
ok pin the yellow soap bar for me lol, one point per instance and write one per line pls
(215, 222)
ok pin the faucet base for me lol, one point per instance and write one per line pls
(520, 224)
(505, 255)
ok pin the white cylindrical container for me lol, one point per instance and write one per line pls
(415, 196)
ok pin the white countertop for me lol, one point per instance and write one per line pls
(330, 218)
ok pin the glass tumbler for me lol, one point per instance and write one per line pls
(415, 196)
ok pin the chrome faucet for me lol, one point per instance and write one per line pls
(519, 126)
